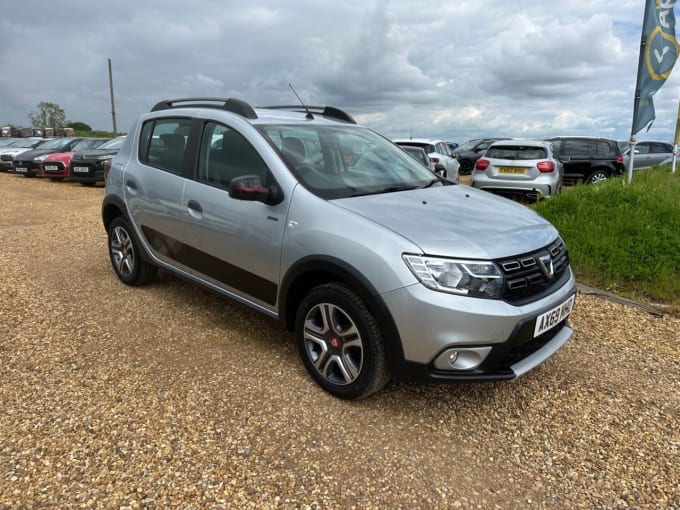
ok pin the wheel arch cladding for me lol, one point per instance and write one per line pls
(313, 271)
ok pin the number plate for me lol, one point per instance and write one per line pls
(51, 167)
(21, 169)
(552, 318)
(81, 169)
(512, 170)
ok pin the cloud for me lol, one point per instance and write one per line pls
(436, 68)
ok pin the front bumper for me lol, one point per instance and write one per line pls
(86, 172)
(500, 335)
(54, 169)
(26, 168)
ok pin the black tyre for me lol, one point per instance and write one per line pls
(125, 255)
(465, 167)
(597, 176)
(340, 343)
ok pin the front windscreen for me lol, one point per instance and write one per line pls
(340, 162)
(114, 144)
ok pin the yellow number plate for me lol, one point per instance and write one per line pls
(512, 170)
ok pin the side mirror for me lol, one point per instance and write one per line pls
(439, 169)
(249, 188)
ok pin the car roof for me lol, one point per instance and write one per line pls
(580, 137)
(290, 114)
(431, 141)
(521, 142)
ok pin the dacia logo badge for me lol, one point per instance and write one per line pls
(547, 266)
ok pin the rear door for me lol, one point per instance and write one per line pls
(154, 190)
(660, 153)
(580, 153)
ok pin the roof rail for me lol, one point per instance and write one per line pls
(229, 104)
(326, 111)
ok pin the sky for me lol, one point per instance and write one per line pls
(451, 69)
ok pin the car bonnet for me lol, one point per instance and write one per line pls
(456, 221)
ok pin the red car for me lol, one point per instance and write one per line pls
(55, 166)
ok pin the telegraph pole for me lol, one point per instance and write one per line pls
(113, 105)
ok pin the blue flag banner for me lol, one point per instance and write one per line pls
(658, 51)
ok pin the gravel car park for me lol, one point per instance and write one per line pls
(170, 396)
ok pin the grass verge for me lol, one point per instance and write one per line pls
(624, 239)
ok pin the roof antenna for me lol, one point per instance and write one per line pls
(309, 115)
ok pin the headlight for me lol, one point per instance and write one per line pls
(476, 278)
(40, 159)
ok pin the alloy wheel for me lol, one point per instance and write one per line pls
(122, 251)
(333, 343)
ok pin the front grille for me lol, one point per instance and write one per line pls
(529, 275)
(6, 157)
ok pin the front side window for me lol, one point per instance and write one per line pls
(642, 148)
(163, 143)
(226, 154)
(340, 162)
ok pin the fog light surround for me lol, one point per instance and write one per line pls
(461, 358)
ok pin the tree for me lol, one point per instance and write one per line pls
(79, 126)
(48, 115)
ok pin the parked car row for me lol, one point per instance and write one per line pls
(79, 159)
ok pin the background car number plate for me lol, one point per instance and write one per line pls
(552, 318)
(51, 167)
(81, 169)
(511, 170)
(21, 169)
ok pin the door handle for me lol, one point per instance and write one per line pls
(131, 184)
(195, 206)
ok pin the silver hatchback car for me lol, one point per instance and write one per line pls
(381, 268)
(524, 169)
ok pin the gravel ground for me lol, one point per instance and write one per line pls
(171, 396)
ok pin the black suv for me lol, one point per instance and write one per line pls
(588, 159)
(468, 153)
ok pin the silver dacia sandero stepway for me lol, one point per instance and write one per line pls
(380, 267)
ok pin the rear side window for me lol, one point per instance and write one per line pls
(605, 148)
(525, 152)
(578, 147)
(661, 148)
(163, 143)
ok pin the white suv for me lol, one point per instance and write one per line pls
(383, 269)
(438, 151)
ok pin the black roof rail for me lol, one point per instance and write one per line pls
(326, 111)
(229, 104)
